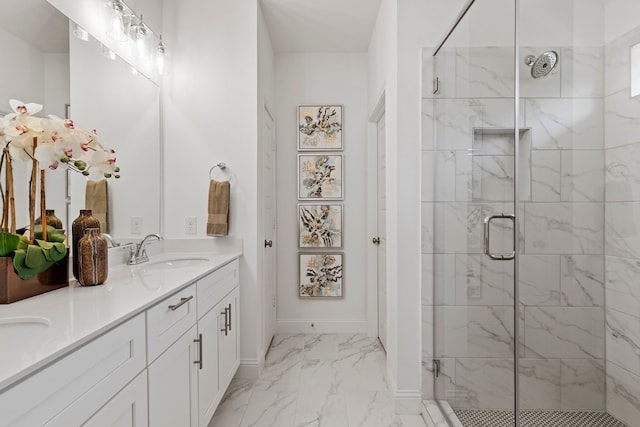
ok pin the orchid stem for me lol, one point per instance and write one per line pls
(43, 206)
(32, 198)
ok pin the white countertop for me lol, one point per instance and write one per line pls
(36, 331)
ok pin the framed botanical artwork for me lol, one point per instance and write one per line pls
(320, 177)
(320, 127)
(321, 275)
(320, 226)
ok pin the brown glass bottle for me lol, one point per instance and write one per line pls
(93, 263)
(84, 221)
(52, 219)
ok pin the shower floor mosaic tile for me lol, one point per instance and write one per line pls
(497, 418)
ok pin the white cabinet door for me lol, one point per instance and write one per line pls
(127, 409)
(228, 341)
(208, 386)
(73, 389)
(173, 384)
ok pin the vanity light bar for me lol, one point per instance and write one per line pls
(126, 26)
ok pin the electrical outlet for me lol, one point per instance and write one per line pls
(190, 225)
(136, 225)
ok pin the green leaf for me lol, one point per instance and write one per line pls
(8, 243)
(53, 251)
(53, 234)
(20, 264)
(24, 242)
(56, 237)
(58, 252)
(35, 258)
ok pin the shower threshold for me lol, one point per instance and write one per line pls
(536, 418)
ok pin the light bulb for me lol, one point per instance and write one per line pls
(117, 27)
(108, 53)
(160, 53)
(139, 36)
(80, 33)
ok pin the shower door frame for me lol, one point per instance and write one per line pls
(516, 197)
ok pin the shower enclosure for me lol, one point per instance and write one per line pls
(531, 215)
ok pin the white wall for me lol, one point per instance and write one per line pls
(23, 75)
(339, 78)
(210, 116)
(265, 100)
(402, 29)
(620, 17)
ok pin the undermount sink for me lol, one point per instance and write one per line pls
(169, 264)
(19, 327)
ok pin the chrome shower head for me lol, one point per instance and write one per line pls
(543, 64)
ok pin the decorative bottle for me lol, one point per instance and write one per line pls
(52, 219)
(93, 260)
(84, 221)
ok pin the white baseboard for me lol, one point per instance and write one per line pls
(249, 369)
(310, 326)
(408, 402)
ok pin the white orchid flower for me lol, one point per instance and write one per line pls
(47, 156)
(21, 121)
(20, 127)
(58, 142)
(102, 163)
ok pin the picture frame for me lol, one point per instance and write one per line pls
(320, 127)
(320, 176)
(321, 275)
(320, 226)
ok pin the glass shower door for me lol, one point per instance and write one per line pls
(468, 217)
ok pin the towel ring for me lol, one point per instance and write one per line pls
(223, 167)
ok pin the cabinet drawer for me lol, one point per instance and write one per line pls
(169, 319)
(127, 408)
(93, 374)
(214, 287)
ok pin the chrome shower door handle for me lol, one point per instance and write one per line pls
(487, 237)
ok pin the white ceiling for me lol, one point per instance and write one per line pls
(36, 22)
(320, 25)
(294, 25)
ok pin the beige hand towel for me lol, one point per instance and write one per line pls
(96, 199)
(218, 220)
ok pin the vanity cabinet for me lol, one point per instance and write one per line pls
(85, 385)
(197, 355)
(218, 329)
(172, 353)
(169, 365)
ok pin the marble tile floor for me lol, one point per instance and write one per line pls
(315, 380)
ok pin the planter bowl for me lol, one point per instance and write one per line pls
(13, 288)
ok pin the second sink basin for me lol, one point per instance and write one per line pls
(169, 264)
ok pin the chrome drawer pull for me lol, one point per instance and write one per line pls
(199, 341)
(229, 316)
(226, 322)
(182, 302)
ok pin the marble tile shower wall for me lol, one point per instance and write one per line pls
(468, 174)
(622, 231)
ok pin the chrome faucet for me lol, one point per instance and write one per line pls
(138, 253)
(110, 240)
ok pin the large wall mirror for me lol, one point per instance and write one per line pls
(46, 64)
